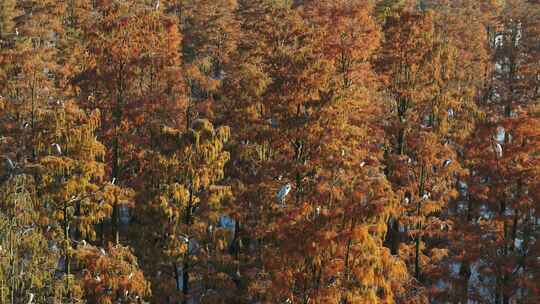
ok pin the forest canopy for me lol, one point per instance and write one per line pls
(270, 151)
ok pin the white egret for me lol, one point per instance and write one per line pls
(31, 298)
(57, 148)
(498, 150)
(283, 192)
(184, 238)
(447, 163)
(102, 251)
(9, 164)
(407, 198)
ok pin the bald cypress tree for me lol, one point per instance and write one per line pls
(7, 15)
(27, 262)
(129, 69)
(187, 169)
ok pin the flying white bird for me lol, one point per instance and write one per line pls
(283, 192)
(498, 150)
(447, 163)
(57, 148)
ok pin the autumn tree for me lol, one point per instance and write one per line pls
(110, 276)
(27, 262)
(301, 83)
(130, 70)
(210, 31)
(7, 18)
(419, 65)
(502, 178)
(69, 173)
(187, 169)
(27, 67)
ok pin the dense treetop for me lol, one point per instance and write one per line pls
(270, 151)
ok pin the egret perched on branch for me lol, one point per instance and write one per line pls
(184, 238)
(447, 163)
(57, 148)
(113, 180)
(498, 150)
(9, 165)
(283, 192)
(31, 298)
